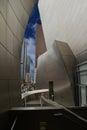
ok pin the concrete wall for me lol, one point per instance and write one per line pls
(13, 19)
(65, 20)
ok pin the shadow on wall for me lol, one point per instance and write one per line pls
(57, 65)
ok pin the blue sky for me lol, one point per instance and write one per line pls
(30, 36)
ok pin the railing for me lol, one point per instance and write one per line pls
(33, 92)
(67, 112)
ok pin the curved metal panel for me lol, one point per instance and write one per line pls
(53, 67)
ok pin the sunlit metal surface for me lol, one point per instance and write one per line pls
(57, 65)
(28, 93)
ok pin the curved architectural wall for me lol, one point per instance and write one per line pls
(57, 65)
(65, 20)
(13, 19)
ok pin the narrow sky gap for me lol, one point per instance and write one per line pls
(30, 37)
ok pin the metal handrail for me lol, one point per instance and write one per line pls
(73, 116)
(12, 128)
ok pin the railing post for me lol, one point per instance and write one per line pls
(51, 91)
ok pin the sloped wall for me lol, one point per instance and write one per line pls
(13, 19)
(40, 42)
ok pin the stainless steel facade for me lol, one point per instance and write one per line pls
(57, 65)
(53, 65)
(13, 19)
